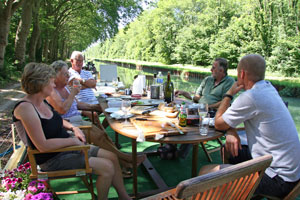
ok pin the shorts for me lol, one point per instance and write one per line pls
(275, 186)
(68, 160)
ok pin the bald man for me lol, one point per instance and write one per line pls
(269, 127)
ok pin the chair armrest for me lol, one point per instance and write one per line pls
(71, 148)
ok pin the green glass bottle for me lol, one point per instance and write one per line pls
(168, 89)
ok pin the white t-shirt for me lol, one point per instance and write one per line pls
(86, 95)
(269, 127)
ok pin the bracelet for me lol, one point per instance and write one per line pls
(72, 128)
(229, 96)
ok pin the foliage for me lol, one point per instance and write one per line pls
(197, 31)
(15, 184)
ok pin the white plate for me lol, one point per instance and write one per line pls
(120, 115)
(111, 110)
(113, 99)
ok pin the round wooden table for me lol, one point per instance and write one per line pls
(191, 136)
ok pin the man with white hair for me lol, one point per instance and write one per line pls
(269, 127)
(85, 78)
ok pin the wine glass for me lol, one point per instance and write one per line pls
(202, 110)
(76, 83)
(126, 105)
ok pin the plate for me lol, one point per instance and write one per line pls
(147, 102)
(113, 99)
(111, 110)
(120, 115)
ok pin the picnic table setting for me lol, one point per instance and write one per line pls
(132, 113)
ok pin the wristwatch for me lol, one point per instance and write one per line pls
(229, 96)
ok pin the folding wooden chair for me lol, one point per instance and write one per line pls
(291, 196)
(233, 182)
(85, 174)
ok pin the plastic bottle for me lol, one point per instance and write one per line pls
(160, 81)
(182, 117)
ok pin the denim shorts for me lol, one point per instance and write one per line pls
(275, 186)
(68, 160)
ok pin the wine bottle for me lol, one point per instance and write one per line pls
(169, 89)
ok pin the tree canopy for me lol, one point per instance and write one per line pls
(197, 31)
(47, 30)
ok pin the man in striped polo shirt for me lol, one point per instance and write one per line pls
(85, 78)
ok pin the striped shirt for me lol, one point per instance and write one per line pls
(73, 111)
(85, 95)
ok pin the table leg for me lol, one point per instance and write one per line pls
(134, 166)
(117, 141)
(195, 160)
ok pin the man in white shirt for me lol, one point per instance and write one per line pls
(269, 127)
(85, 78)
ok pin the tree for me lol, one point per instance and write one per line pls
(35, 35)
(23, 32)
(7, 9)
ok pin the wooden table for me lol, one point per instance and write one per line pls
(191, 137)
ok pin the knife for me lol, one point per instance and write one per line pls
(144, 119)
(174, 126)
(149, 110)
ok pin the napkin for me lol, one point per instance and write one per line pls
(139, 85)
(141, 136)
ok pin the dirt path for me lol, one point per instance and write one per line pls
(8, 97)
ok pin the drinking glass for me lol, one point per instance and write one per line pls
(115, 82)
(126, 105)
(76, 83)
(202, 110)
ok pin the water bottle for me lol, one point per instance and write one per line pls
(160, 81)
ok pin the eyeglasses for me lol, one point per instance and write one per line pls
(79, 60)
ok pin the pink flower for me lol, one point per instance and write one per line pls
(32, 183)
(27, 165)
(19, 180)
(32, 189)
(40, 186)
(28, 196)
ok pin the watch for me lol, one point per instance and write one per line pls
(229, 96)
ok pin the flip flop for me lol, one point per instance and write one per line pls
(126, 172)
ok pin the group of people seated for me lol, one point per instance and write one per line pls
(52, 104)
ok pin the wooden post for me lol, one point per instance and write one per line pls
(13, 136)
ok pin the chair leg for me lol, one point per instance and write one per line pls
(47, 184)
(89, 185)
(206, 152)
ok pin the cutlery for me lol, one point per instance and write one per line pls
(174, 126)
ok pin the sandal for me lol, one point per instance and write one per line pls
(126, 172)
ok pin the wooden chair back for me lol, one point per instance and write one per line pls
(234, 182)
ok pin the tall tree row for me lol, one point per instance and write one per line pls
(47, 30)
(197, 31)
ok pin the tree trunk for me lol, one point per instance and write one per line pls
(6, 10)
(5, 17)
(22, 33)
(35, 35)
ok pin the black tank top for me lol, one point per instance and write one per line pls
(53, 128)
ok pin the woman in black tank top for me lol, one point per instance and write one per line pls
(45, 131)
